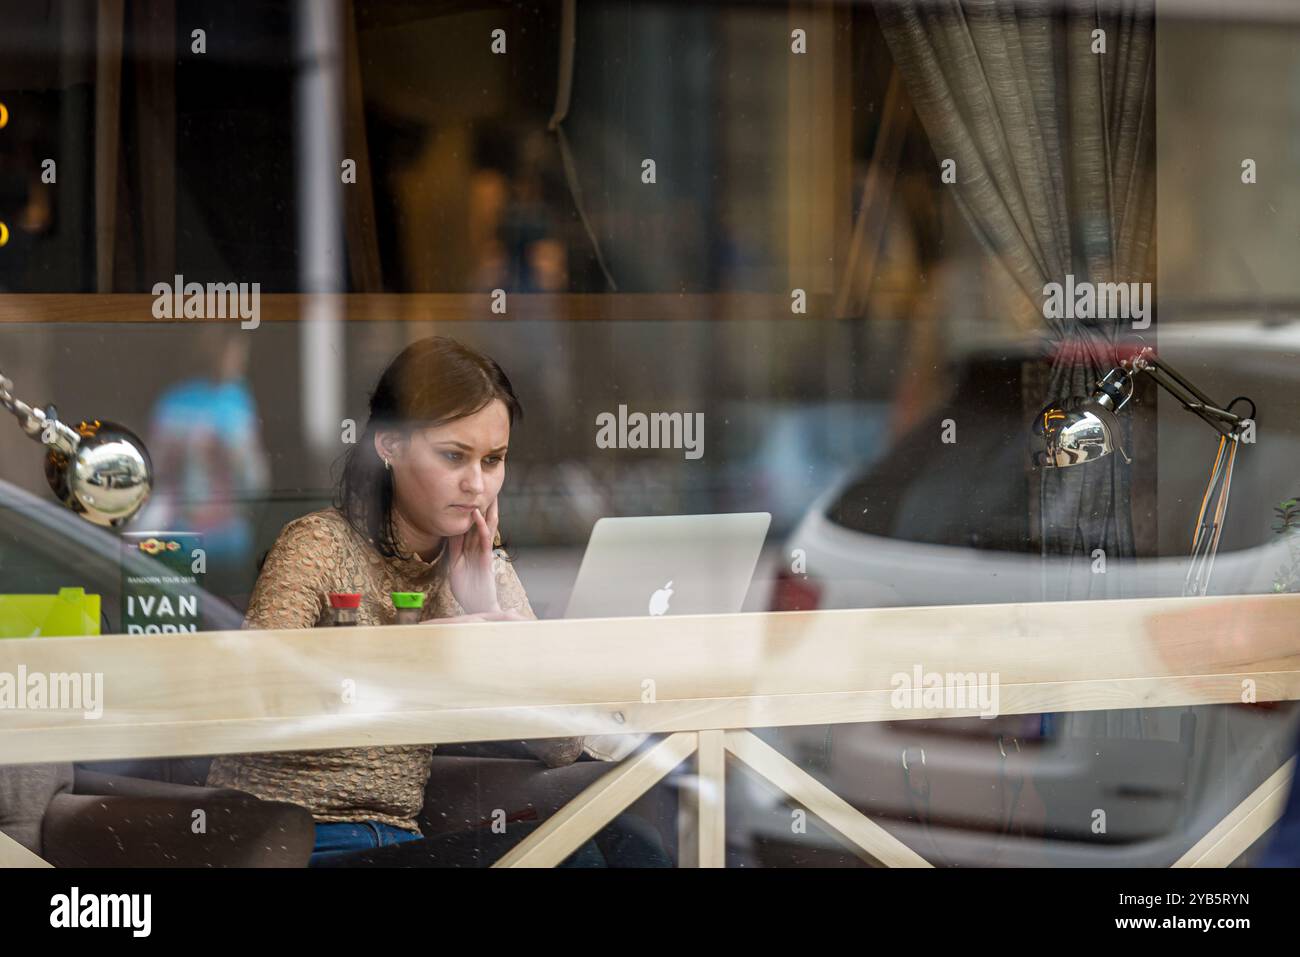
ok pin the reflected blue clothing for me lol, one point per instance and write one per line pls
(224, 407)
(207, 456)
(1284, 851)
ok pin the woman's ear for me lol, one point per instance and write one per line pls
(388, 445)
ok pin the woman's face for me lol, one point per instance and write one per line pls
(441, 473)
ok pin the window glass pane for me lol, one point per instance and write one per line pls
(915, 342)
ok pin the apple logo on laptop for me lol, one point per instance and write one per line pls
(659, 600)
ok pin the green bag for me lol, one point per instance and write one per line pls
(70, 612)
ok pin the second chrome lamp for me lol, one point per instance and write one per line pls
(1082, 430)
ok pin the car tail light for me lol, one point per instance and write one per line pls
(791, 592)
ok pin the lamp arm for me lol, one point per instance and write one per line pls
(1191, 398)
(41, 426)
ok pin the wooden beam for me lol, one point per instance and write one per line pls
(568, 828)
(712, 777)
(227, 692)
(1232, 836)
(13, 854)
(21, 741)
(688, 818)
(871, 841)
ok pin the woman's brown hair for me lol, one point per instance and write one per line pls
(430, 382)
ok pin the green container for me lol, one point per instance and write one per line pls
(409, 605)
(70, 612)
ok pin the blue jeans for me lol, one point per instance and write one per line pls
(624, 842)
(341, 837)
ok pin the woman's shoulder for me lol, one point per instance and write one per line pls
(323, 530)
(328, 517)
(313, 551)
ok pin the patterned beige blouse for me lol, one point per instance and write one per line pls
(313, 556)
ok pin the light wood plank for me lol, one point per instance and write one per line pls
(712, 761)
(566, 830)
(249, 691)
(13, 854)
(872, 842)
(31, 742)
(688, 816)
(1231, 837)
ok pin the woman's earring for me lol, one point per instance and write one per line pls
(388, 465)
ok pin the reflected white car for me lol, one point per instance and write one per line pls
(929, 525)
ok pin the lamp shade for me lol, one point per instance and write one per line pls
(106, 478)
(1074, 432)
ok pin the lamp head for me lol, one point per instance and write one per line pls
(100, 470)
(106, 478)
(1075, 431)
(1084, 429)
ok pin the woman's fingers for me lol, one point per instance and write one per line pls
(494, 519)
(483, 538)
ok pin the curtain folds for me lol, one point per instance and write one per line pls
(1054, 147)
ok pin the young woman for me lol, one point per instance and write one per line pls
(416, 511)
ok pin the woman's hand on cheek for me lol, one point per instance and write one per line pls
(470, 565)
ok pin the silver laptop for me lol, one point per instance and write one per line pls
(668, 565)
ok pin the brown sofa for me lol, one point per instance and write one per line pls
(114, 821)
(467, 784)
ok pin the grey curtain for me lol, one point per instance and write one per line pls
(1054, 146)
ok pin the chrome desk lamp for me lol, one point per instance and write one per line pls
(98, 469)
(1083, 430)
